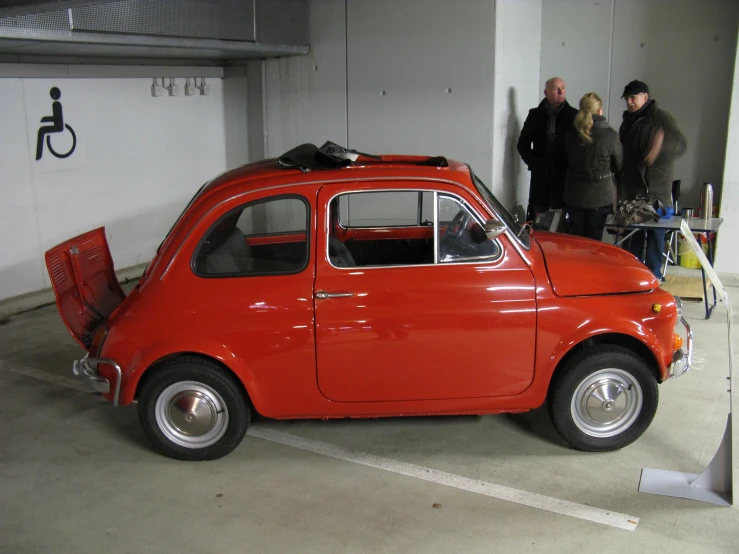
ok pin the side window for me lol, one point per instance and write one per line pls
(279, 215)
(461, 237)
(264, 237)
(383, 228)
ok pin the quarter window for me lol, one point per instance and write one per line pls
(260, 238)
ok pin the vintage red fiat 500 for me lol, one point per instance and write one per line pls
(327, 284)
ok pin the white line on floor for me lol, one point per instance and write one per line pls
(563, 507)
(555, 505)
(44, 376)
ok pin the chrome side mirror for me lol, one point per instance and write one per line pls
(494, 228)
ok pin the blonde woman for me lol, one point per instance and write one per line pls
(595, 155)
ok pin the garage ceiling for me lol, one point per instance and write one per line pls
(226, 32)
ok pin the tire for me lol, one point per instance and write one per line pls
(192, 410)
(604, 399)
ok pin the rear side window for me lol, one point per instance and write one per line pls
(265, 237)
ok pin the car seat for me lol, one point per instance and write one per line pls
(339, 254)
(230, 255)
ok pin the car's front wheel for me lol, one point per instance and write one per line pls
(603, 399)
(193, 410)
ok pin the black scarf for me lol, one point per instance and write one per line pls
(552, 121)
(630, 118)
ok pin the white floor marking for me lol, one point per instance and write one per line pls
(44, 376)
(563, 507)
(533, 500)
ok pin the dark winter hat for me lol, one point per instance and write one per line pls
(635, 87)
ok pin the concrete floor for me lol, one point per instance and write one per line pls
(77, 475)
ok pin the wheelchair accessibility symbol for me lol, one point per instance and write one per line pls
(58, 126)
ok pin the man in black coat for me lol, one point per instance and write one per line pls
(542, 147)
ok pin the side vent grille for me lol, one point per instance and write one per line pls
(91, 253)
(56, 270)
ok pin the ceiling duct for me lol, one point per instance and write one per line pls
(220, 32)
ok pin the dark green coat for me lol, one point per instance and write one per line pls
(637, 133)
(590, 181)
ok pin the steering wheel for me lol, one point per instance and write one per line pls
(458, 225)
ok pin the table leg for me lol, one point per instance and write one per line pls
(621, 239)
(644, 248)
(669, 236)
(709, 309)
(705, 293)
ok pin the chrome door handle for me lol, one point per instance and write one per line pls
(323, 295)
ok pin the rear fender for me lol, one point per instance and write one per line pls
(149, 358)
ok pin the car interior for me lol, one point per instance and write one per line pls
(227, 250)
(377, 244)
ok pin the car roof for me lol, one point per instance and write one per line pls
(275, 171)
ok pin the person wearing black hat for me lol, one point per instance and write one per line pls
(542, 148)
(651, 142)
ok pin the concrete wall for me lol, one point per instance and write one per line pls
(305, 96)
(517, 61)
(235, 104)
(494, 56)
(434, 63)
(683, 49)
(420, 81)
(389, 77)
(137, 162)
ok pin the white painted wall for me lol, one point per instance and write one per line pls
(727, 260)
(138, 161)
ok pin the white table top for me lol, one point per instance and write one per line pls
(697, 224)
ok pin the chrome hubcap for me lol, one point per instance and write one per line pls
(606, 403)
(191, 414)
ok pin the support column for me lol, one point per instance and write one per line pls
(518, 26)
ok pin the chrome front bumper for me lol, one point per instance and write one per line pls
(86, 370)
(681, 360)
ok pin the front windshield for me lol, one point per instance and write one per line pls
(516, 229)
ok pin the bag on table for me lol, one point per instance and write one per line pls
(639, 210)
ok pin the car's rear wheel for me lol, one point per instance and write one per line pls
(603, 399)
(193, 410)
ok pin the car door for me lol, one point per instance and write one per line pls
(463, 326)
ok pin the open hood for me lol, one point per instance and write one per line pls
(84, 282)
(581, 267)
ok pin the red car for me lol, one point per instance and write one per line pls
(329, 284)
